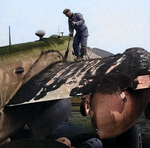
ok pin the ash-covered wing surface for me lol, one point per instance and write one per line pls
(69, 79)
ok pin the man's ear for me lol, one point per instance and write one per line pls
(85, 105)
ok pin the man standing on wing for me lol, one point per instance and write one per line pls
(76, 21)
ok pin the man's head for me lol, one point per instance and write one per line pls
(67, 12)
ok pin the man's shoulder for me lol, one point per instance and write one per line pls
(77, 13)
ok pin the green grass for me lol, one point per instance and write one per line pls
(52, 41)
(17, 52)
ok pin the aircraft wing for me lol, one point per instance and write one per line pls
(68, 79)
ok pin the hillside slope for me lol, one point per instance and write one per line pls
(14, 53)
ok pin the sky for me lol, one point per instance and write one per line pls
(113, 25)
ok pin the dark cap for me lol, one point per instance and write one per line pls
(66, 10)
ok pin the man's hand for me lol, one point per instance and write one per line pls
(71, 34)
(74, 23)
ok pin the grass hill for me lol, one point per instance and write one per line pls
(14, 53)
(52, 41)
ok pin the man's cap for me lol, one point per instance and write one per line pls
(66, 10)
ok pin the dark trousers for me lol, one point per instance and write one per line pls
(77, 40)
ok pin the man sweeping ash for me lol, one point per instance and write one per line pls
(77, 22)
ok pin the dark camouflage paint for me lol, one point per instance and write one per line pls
(69, 79)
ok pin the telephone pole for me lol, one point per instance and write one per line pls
(9, 37)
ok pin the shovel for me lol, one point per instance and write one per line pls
(66, 53)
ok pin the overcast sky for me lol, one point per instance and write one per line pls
(114, 25)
